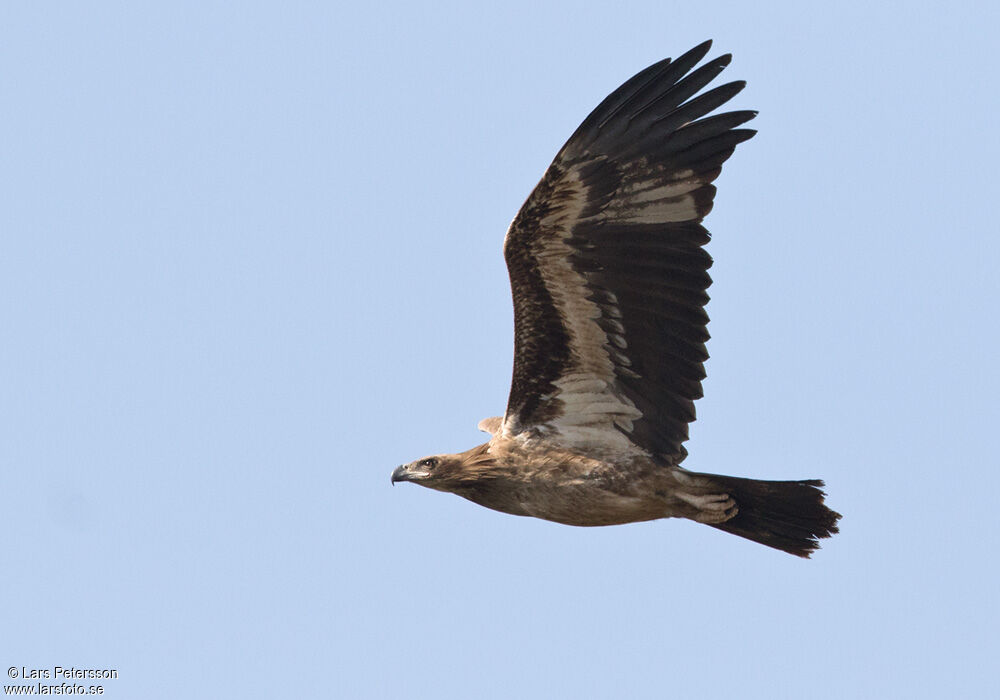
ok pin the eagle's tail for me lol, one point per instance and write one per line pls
(786, 515)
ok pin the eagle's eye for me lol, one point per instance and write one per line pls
(428, 463)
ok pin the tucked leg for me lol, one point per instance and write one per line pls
(710, 508)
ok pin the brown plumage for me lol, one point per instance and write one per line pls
(609, 276)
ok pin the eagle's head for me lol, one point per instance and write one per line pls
(436, 472)
(447, 472)
(474, 474)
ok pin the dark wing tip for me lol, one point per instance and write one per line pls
(697, 53)
(646, 84)
(736, 86)
(742, 116)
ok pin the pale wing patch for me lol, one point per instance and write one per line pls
(639, 190)
(639, 202)
(664, 211)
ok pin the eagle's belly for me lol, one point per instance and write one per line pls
(590, 505)
(577, 500)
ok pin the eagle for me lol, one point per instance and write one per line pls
(608, 273)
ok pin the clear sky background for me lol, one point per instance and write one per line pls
(250, 262)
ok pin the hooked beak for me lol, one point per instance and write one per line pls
(404, 472)
(407, 472)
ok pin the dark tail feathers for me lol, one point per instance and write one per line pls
(786, 515)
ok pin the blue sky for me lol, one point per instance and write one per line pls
(250, 262)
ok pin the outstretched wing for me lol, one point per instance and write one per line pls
(608, 272)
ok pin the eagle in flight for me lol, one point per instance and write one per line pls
(609, 274)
